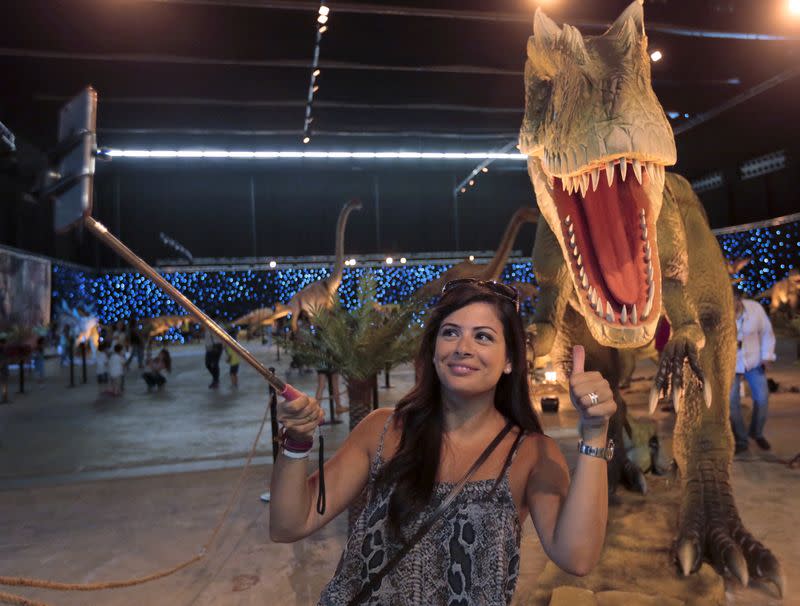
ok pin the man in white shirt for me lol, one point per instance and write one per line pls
(755, 344)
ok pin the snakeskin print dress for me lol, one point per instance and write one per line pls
(470, 556)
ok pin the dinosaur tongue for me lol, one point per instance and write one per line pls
(612, 217)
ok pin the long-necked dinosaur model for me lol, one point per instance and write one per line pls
(488, 271)
(317, 295)
(613, 255)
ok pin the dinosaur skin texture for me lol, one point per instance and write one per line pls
(624, 243)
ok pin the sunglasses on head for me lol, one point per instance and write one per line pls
(498, 288)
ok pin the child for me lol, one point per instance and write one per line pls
(102, 366)
(116, 367)
(233, 360)
(153, 376)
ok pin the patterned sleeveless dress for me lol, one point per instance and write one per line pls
(470, 556)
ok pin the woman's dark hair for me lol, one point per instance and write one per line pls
(413, 468)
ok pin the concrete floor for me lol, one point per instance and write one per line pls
(95, 489)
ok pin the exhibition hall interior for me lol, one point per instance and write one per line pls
(416, 302)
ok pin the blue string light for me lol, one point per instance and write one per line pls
(226, 295)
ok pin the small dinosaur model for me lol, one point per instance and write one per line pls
(784, 294)
(613, 256)
(488, 271)
(84, 325)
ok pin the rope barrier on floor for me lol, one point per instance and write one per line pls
(9, 598)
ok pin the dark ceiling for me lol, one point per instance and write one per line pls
(424, 74)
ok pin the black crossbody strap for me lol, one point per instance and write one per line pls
(375, 581)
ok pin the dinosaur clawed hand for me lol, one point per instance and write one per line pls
(671, 370)
(711, 529)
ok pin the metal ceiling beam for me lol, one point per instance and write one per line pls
(193, 101)
(492, 16)
(302, 64)
(279, 63)
(738, 99)
(478, 136)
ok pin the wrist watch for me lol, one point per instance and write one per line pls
(601, 453)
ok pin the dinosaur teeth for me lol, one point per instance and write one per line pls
(649, 273)
(610, 173)
(623, 168)
(634, 315)
(571, 238)
(579, 261)
(637, 170)
(584, 282)
(581, 272)
(598, 307)
(575, 251)
(644, 233)
(609, 312)
(595, 178)
(623, 316)
(571, 229)
(584, 183)
(568, 220)
(651, 291)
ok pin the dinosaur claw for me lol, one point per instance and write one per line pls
(687, 557)
(677, 398)
(707, 393)
(735, 562)
(769, 569)
(653, 400)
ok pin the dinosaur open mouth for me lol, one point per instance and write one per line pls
(608, 230)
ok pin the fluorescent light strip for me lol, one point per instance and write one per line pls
(332, 155)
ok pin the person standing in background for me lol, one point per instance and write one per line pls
(755, 350)
(233, 360)
(213, 354)
(137, 346)
(116, 369)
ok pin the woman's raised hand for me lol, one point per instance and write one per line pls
(300, 416)
(590, 393)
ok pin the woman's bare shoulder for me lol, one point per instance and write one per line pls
(367, 433)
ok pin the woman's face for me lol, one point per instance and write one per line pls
(470, 353)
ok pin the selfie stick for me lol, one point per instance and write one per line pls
(100, 230)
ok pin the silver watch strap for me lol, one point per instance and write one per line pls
(592, 451)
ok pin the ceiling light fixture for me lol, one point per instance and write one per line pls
(656, 55)
(283, 154)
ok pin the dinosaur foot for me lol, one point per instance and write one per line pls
(633, 477)
(711, 529)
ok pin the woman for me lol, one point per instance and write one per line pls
(472, 381)
(155, 366)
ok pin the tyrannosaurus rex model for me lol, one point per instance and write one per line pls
(622, 244)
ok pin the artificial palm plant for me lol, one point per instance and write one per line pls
(360, 342)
